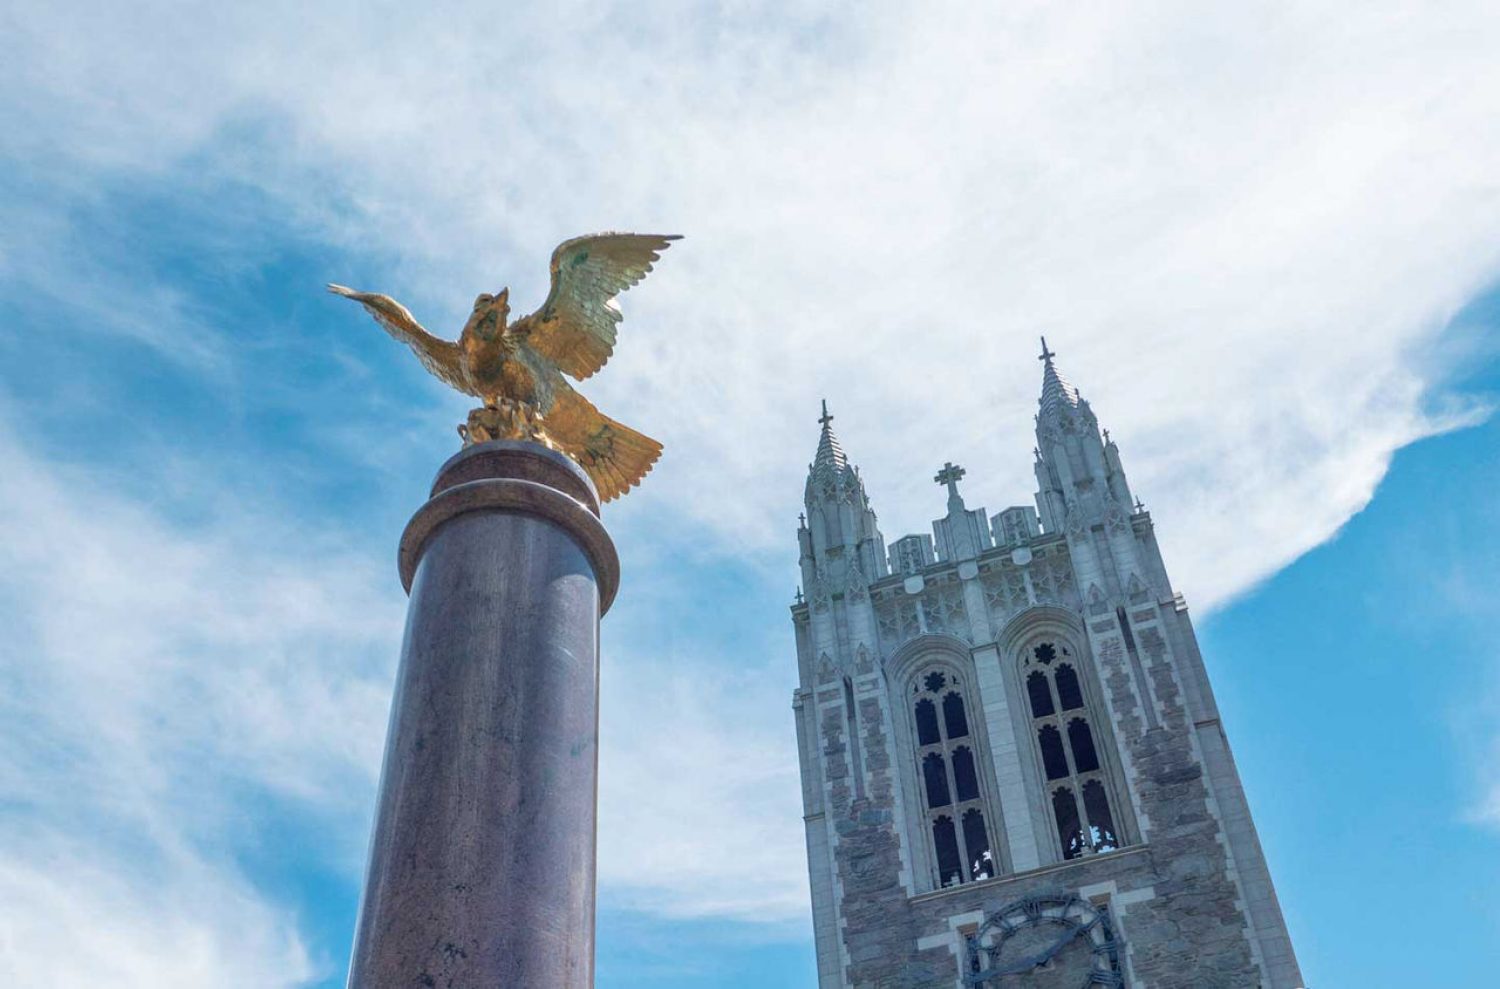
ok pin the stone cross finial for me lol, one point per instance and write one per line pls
(825, 418)
(950, 475)
(1046, 355)
(802, 520)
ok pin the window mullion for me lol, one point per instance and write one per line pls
(1075, 786)
(952, 776)
(1067, 747)
(1062, 729)
(1083, 812)
(958, 816)
(1077, 790)
(930, 839)
(963, 846)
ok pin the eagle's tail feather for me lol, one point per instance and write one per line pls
(615, 456)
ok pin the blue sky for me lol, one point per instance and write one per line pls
(1263, 243)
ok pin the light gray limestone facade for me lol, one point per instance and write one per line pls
(1013, 769)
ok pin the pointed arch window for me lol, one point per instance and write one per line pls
(948, 771)
(1077, 784)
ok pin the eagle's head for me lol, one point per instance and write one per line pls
(500, 302)
(490, 313)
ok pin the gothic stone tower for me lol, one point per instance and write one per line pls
(1013, 769)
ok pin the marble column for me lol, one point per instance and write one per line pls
(481, 869)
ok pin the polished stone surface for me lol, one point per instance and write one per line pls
(482, 863)
(517, 477)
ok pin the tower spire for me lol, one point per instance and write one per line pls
(839, 538)
(1057, 392)
(830, 456)
(1079, 475)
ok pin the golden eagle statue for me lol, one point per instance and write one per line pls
(517, 368)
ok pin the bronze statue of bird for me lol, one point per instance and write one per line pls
(516, 368)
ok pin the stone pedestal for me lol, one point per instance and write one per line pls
(481, 870)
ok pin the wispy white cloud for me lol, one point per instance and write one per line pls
(1486, 807)
(700, 805)
(168, 682)
(1461, 597)
(1472, 720)
(54, 266)
(145, 639)
(1239, 226)
(72, 916)
(161, 681)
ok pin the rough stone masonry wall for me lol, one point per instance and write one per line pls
(1183, 927)
(867, 855)
(1193, 931)
(937, 948)
(1175, 898)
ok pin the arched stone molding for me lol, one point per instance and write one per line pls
(903, 662)
(1036, 620)
(1020, 634)
(916, 656)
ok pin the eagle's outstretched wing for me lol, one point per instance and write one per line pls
(439, 356)
(575, 328)
(615, 456)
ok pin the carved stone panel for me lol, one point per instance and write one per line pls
(896, 621)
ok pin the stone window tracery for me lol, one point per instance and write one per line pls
(949, 774)
(1076, 782)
